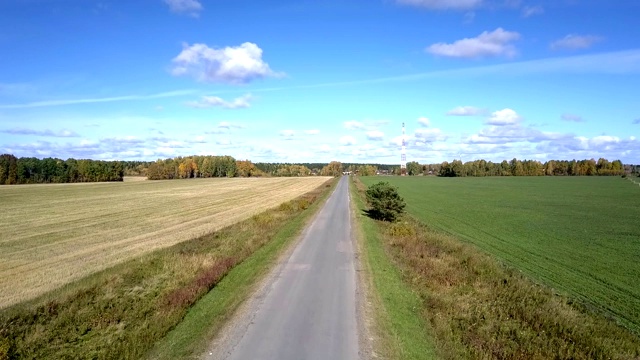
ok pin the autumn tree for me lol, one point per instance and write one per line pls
(333, 169)
(367, 170)
(246, 168)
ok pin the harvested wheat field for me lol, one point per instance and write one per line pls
(54, 234)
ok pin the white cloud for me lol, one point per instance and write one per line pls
(225, 127)
(466, 111)
(469, 16)
(348, 140)
(424, 121)
(229, 125)
(288, 134)
(354, 125)
(190, 7)
(123, 140)
(572, 117)
(88, 143)
(200, 139)
(443, 4)
(430, 135)
(503, 117)
(528, 11)
(512, 133)
(575, 42)
(603, 140)
(233, 65)
(495, 43)
(580, 147)
(397, 141)
(375, 135)
(46, 132)
(312, 132)
(324, 148)
(211, 101)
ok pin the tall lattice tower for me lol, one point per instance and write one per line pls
(403, 154)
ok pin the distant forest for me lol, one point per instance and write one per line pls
(515, 167)
(51, 170)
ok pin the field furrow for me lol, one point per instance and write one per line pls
(54, 234)
(578, 235)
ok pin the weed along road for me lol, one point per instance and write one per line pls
(308, 311)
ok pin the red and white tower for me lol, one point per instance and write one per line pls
(403, 154)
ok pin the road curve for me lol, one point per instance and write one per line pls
(309, 310)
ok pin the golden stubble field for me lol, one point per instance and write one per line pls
(54, 234)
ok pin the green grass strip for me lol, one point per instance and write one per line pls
(403, 330)
(190, 338)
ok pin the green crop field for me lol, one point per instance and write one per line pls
(579, 235)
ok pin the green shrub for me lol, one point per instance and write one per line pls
(385, 202)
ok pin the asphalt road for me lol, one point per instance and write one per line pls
(309, 311)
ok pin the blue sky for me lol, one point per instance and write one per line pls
(315, 81)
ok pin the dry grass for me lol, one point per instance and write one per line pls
(479, 309)
(123, 311)
(54, 234)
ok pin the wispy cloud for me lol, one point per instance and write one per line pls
(529, 11)
(572, 117)
(354, 125)
(215, 101)
(619, 62)
(229, 125)
(287, 134)
(443, 4)
(430, 135)
(375, 135)
(575, 42)
(466, 111)
(189, 7)
(494, 43)
(97, 100)
(348, 140)
(47, 132)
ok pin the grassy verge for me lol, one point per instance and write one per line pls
(123, 311)
(402, 332)
(192, 336)
(477, 308)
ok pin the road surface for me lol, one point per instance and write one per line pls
(309, 309)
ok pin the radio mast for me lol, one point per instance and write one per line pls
(403, 155)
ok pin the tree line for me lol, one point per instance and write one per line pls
(193, 167)
(52, 170)
(222, 166)
(515, 167)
